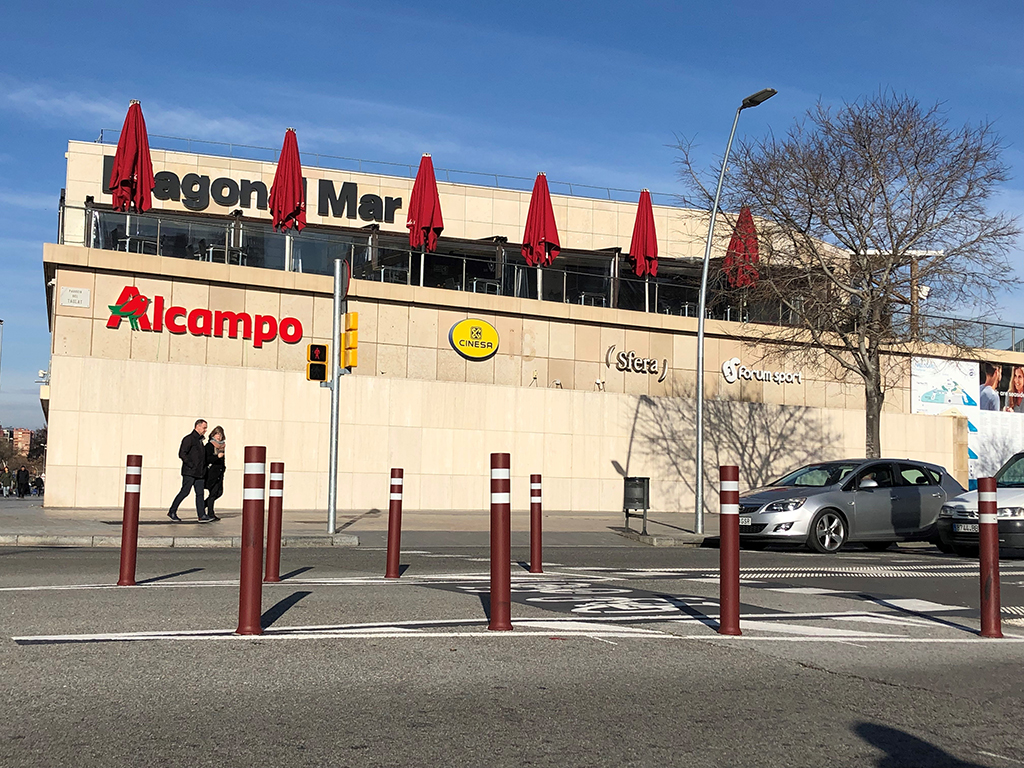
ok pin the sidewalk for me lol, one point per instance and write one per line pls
(25, 522)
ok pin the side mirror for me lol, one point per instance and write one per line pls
(867, 482)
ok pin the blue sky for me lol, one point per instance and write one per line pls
(590, 92)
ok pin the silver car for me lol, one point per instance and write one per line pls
(872, 501)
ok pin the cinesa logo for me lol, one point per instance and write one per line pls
(135, 307)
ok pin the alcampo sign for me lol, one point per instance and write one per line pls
(474, 339)
(143, 314)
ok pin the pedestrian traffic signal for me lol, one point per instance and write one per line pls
(316, 362)
(350, 341)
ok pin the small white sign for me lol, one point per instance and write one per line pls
(75, 297)
(733, 371)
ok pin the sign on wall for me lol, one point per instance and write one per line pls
(631, 362)
(733, 370)
(474, 339)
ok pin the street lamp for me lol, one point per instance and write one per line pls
(751, 101)
(1, 343)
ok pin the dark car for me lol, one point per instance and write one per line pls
(958, 520)
(872, 501)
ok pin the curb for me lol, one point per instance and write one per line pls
(680, 540)
(167, 542)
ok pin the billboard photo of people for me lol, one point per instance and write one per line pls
(1002, 387)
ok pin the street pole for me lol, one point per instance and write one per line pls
(336, 371)
(751, 101)
(1, 347)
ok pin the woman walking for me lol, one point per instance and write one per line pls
(215, 469)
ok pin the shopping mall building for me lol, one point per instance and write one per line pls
(591, 380)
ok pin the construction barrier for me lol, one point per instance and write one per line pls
(729, 551)
(250, 584)
(130, 521)
(501, 547)
(392, 569)
(275, 519)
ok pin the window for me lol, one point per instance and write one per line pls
(914, 475)
(880, 473)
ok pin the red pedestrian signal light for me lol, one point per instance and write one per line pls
(316, 362)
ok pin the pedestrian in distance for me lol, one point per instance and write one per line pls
(6, 480)
(193, 469)
(215, 469)
(22, 481)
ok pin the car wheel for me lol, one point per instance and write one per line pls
(965, 550)
(878, 546)
(828, 532)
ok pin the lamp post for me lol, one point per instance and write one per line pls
(1, 344)
(751, 101)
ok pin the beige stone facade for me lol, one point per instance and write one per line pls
(554, 395)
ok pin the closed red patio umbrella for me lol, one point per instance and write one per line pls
(643, 249)
(741, 256)
(424, 218)
(131, 180)
(540, 240)
(288, 194)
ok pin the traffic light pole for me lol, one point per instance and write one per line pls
(336, 374)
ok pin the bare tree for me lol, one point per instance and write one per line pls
(864, 211)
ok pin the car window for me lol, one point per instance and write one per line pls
(817, 475)
(880, 473)
(1012, 473)
(914, 475)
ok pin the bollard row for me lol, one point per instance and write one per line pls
(729, 551)
(988, 557)
(392, 569)
(130, 520)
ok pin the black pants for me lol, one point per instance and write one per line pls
(216, 490)
(187, 484)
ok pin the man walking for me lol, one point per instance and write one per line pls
(22, 481)
(193, 468)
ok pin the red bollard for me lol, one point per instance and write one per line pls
(250, 585)
(729, 552)
(988, 552)
(501, 546)
(130, 521)
(392, 570)
(275, 513)
(536, 565)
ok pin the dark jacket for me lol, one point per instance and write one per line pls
(192, 455)
(215, 466)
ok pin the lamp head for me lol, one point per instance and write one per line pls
(758, 98)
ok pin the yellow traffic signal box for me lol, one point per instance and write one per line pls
(316, 362)
(350, 341)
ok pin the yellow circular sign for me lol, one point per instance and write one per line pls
(474, 339)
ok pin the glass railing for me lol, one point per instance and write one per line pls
(584, 278)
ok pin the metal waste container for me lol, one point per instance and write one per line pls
(636, 495)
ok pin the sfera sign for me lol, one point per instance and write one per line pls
(474, 339)
(145, 315)
(630, 362)
(734, 371)
(196, 191)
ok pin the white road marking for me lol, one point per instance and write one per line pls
(808, 631)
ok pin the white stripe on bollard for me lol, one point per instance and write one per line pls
(132, 488)
(255, 468)
(277, 476)
(396, 497)
(730, 509)
(535, 499)
(500, 473)
(730, 485)
(988, 518)
(500, 498)
(397, 481)
(130, 470)
(534, 486)
(277, 492)
(252, 494)
(986, 496)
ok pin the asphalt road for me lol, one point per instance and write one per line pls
(860, 659)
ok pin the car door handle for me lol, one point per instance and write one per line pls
(937, 495)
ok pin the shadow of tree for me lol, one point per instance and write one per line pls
(763, 439)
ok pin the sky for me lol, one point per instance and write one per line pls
(589, 92)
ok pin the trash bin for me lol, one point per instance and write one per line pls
(636, 495)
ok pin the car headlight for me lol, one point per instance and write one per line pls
(1010, 512)
(947, 511)
(786, 505)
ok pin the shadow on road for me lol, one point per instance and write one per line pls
(280, 608)
(353, 520)
(901, 749)
(168, 576)
(296, 572)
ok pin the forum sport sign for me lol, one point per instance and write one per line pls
(143, 314)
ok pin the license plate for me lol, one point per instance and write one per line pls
(746, 521)
(965, 527)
